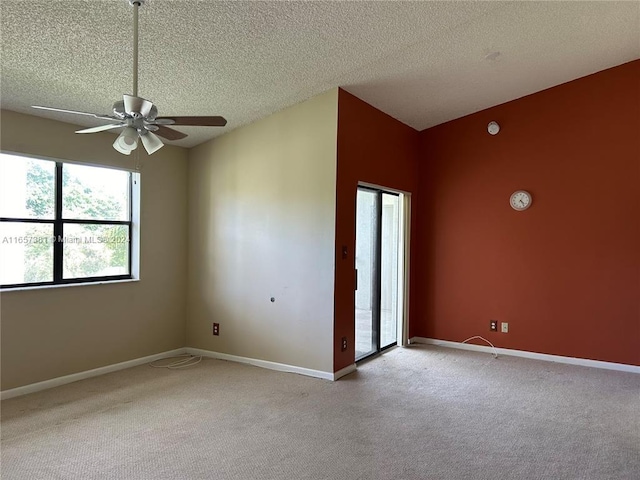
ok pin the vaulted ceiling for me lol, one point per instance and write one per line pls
(423, 63)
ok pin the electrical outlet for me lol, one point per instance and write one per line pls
(344, 344)
(505, 327)
(216, 329)
(493, 325)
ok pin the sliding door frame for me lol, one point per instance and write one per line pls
(402, 336)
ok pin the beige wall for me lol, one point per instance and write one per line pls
(262, 225)
(51, 332)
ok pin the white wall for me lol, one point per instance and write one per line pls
(50, 332)
(261, 225)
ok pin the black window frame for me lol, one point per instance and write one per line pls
(58, 223)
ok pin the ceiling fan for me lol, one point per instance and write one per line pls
(139, 117)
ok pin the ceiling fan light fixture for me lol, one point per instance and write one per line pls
(151, 142)
(127, 141)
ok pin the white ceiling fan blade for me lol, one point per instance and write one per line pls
(101, 128)
(137, 104)
(151, 142)
(75, 112)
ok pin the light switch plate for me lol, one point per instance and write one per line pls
(504, 327)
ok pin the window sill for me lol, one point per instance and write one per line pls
(67, 285)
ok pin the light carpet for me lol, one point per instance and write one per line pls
(422, 412)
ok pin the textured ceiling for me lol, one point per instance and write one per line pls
(423, 63)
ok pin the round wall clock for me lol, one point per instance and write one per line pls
(520, 200)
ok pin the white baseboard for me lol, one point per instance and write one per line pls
(74, 377)
(281, 367)
(344, 371)
(533, 355)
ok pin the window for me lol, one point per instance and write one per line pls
(64, 223)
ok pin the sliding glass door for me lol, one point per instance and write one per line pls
(377, 268)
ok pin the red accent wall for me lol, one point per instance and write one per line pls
(565, 273)
(375, 148)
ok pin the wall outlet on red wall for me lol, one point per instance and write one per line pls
(493, 325)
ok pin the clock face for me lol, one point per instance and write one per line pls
(520, 200)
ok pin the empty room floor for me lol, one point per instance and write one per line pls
(421, 412)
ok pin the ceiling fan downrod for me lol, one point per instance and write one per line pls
(136, 4)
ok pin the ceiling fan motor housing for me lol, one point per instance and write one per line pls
(119, 111)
